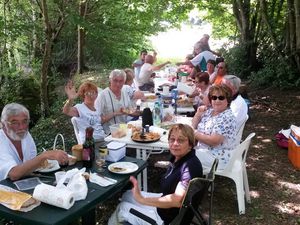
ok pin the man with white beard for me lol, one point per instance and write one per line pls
(18, 155)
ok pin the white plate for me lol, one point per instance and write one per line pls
(126, 167)
(52, 166)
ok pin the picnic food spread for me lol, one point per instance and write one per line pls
(45, 165)
(16, 200)
(145, 137)
(117, 169)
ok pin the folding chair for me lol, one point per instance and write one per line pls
(191, 206)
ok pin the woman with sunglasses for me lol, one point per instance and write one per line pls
(215, 128)
(86, 113)
(164, 207)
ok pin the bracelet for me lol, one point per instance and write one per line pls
(69, 101)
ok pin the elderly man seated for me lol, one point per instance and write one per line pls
(238, 105)
(18, 151)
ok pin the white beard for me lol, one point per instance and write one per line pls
(16, 137)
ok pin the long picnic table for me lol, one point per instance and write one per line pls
(50, 215)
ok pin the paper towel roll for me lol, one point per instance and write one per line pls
(60, 197)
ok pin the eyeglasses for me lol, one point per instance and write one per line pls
(220, 67)
(92, 93)
(15, 123)
(180, 141)
(221, 98)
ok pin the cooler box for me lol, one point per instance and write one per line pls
(116, 151)
(294, 146)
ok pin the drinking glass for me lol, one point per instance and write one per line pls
(100, 162)
(100, 159)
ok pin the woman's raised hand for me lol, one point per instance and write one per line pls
(136, 189)
(70, 90)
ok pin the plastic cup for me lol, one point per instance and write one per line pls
(165, 90)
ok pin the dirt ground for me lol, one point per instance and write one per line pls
(274, 182)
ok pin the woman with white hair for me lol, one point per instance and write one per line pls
(113, 101)
(18, 151)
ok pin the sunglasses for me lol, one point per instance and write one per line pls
(93, 93)
(221, 98)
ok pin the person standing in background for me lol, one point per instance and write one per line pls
(137, 64)
(204, 46)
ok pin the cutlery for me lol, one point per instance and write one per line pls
(107, 178)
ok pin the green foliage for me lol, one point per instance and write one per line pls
(276, 72)
(46, 129)
(219, 14)
(236, 60)
(23, 89)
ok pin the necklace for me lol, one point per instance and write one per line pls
(91, 107)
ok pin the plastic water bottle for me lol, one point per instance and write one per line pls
(176, 80)
(174, 95)
(157, 113)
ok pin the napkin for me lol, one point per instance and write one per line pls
(59, 197)
(182, 87)
(102, 181)
(159, 130)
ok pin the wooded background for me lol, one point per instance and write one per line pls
(43, 43)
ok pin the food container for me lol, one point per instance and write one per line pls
(116, 151)
(77, 152)
(117, 130)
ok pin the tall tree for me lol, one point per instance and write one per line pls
(81, 36)
(52, 32)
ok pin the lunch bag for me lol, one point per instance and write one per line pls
(281, 140)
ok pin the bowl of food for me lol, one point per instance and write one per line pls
(117, 130)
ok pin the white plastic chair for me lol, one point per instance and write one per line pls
(236, 170)
(240, 130)
(76, 130)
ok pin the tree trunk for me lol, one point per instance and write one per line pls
(45, 62)
(297, 25)
(241, 10)
(81, 37)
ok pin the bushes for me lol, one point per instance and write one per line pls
(271, 68)
(236, 60)
(23, 89)
(277, 73)
(46, 129)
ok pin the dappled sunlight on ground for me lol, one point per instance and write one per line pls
(254, 194)
(267, 140)
(289, 185)
(289, 208)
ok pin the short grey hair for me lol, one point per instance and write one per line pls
(117, 73)
(234, 81)
(13, 109)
